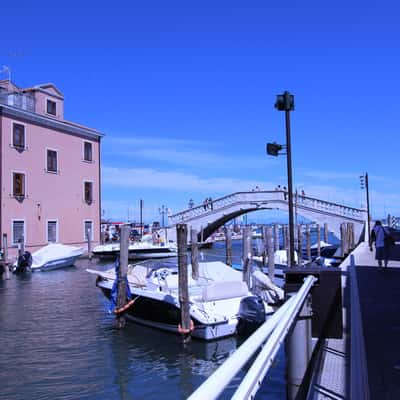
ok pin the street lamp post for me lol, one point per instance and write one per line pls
(141, 203)
(163, 210)
(364, 185)
(285, 102)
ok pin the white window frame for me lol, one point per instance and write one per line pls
(45, 106)
(12, 135)
(83, 152)
(47, 230)
(25, 182)
(83, 191)
(12, 230)
(45, 161)
(84, 232)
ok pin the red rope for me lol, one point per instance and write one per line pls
(125, 307)
(184, 331)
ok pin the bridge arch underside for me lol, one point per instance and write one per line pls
(206, 225)
(213, 226)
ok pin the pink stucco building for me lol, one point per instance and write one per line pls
(49, 170)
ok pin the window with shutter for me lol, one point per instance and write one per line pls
(52, 231)
(18, 228)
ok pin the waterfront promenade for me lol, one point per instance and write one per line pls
(379, 301)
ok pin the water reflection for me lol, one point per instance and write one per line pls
(59, 342)
(146, 355)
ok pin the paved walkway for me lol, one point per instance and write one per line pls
(379, 292)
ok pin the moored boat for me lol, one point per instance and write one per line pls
(52, 256)
(141, 250)
(215, 297)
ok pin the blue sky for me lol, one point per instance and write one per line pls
(184, 92)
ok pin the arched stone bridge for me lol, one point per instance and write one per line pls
(207, 220)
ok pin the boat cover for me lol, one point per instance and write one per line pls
(54, 251)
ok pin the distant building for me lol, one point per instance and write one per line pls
(49, 170)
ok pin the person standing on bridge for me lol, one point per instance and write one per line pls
(285, 193)
(380, 236)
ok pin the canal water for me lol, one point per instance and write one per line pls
(57, 341)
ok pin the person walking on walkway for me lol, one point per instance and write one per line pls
(381, 237)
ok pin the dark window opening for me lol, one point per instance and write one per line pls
(18, 184)
(19, 136)
(87, 151)
(88, 192)
(51, 107)
(51, 161)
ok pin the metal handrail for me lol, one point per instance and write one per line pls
(359, 388)
(270, 335)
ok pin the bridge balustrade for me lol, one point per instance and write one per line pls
(265, 197)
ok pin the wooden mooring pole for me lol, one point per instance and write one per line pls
(89, 245)
(300, 244)
(286, 242)
(228, 245)
(285, 237)
(326, 233)
(121, 276)
(276, 237)
(271, 254)
(318, 240)
(21, 247)
(343, 239)
(194, 253)
(264, 246)
(247, 254)
(308, 242)
(5, 257)
(181, 234)
(350, 236)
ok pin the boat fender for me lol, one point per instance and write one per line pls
(183, 331)
(126, 306)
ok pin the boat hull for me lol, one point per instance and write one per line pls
(56, 264)
(137, 254)
(166, 316)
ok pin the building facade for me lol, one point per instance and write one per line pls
(49, 171)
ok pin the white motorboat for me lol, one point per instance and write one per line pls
(280, 259)
(55, 255)
(215, 297)
(141, 250)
